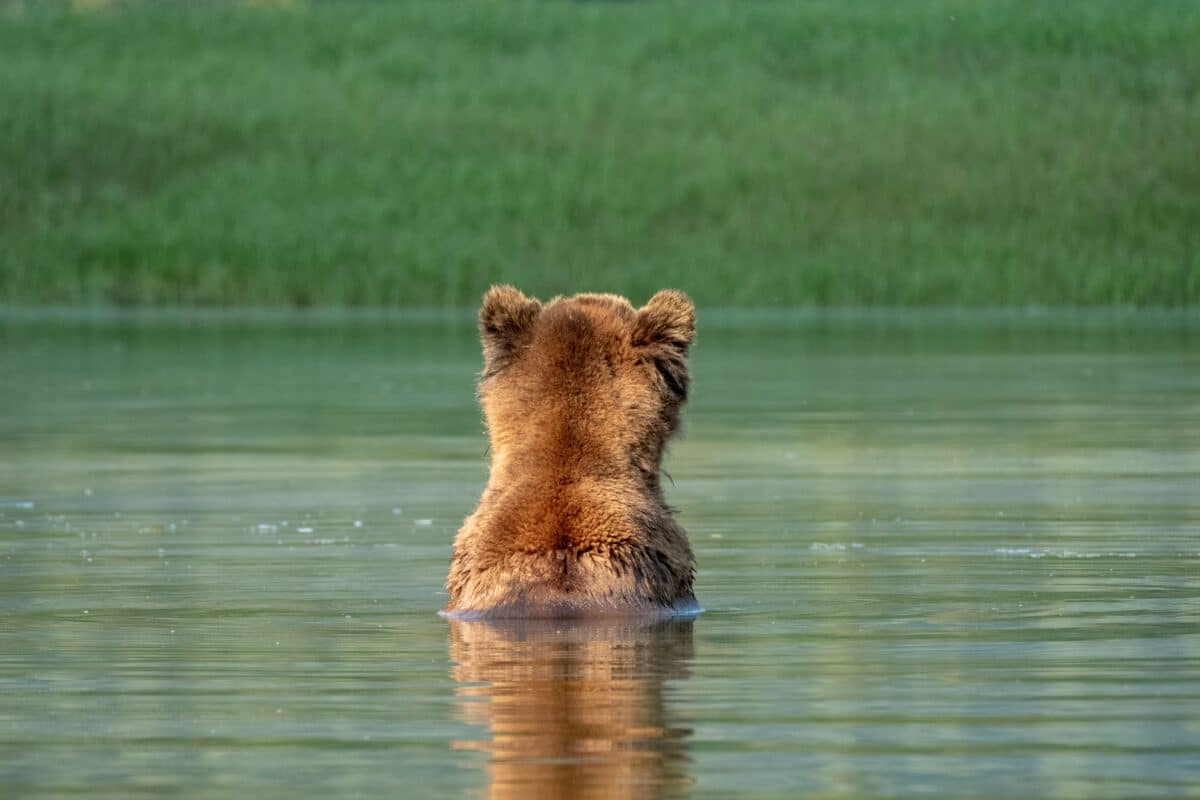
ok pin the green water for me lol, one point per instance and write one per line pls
(942, 555)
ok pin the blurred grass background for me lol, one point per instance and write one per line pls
(930, 152)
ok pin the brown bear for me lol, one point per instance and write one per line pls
(580, 397)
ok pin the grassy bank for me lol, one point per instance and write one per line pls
(768, 153)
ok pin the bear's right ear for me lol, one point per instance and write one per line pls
(505, 323)
(665, 329)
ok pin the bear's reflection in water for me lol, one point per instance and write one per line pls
(575, 709)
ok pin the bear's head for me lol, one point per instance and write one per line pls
(586, 385)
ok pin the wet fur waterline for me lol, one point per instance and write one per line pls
(581, 616)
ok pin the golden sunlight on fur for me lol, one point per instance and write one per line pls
(580, 397)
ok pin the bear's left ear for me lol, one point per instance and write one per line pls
(666, 328)
(505, 323)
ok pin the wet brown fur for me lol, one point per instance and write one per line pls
(580, 397)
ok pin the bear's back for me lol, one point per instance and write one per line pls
(559, 550)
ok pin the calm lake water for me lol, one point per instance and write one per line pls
(942, 555)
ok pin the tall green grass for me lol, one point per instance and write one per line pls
(975, 152)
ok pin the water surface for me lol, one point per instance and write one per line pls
(942, 554)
